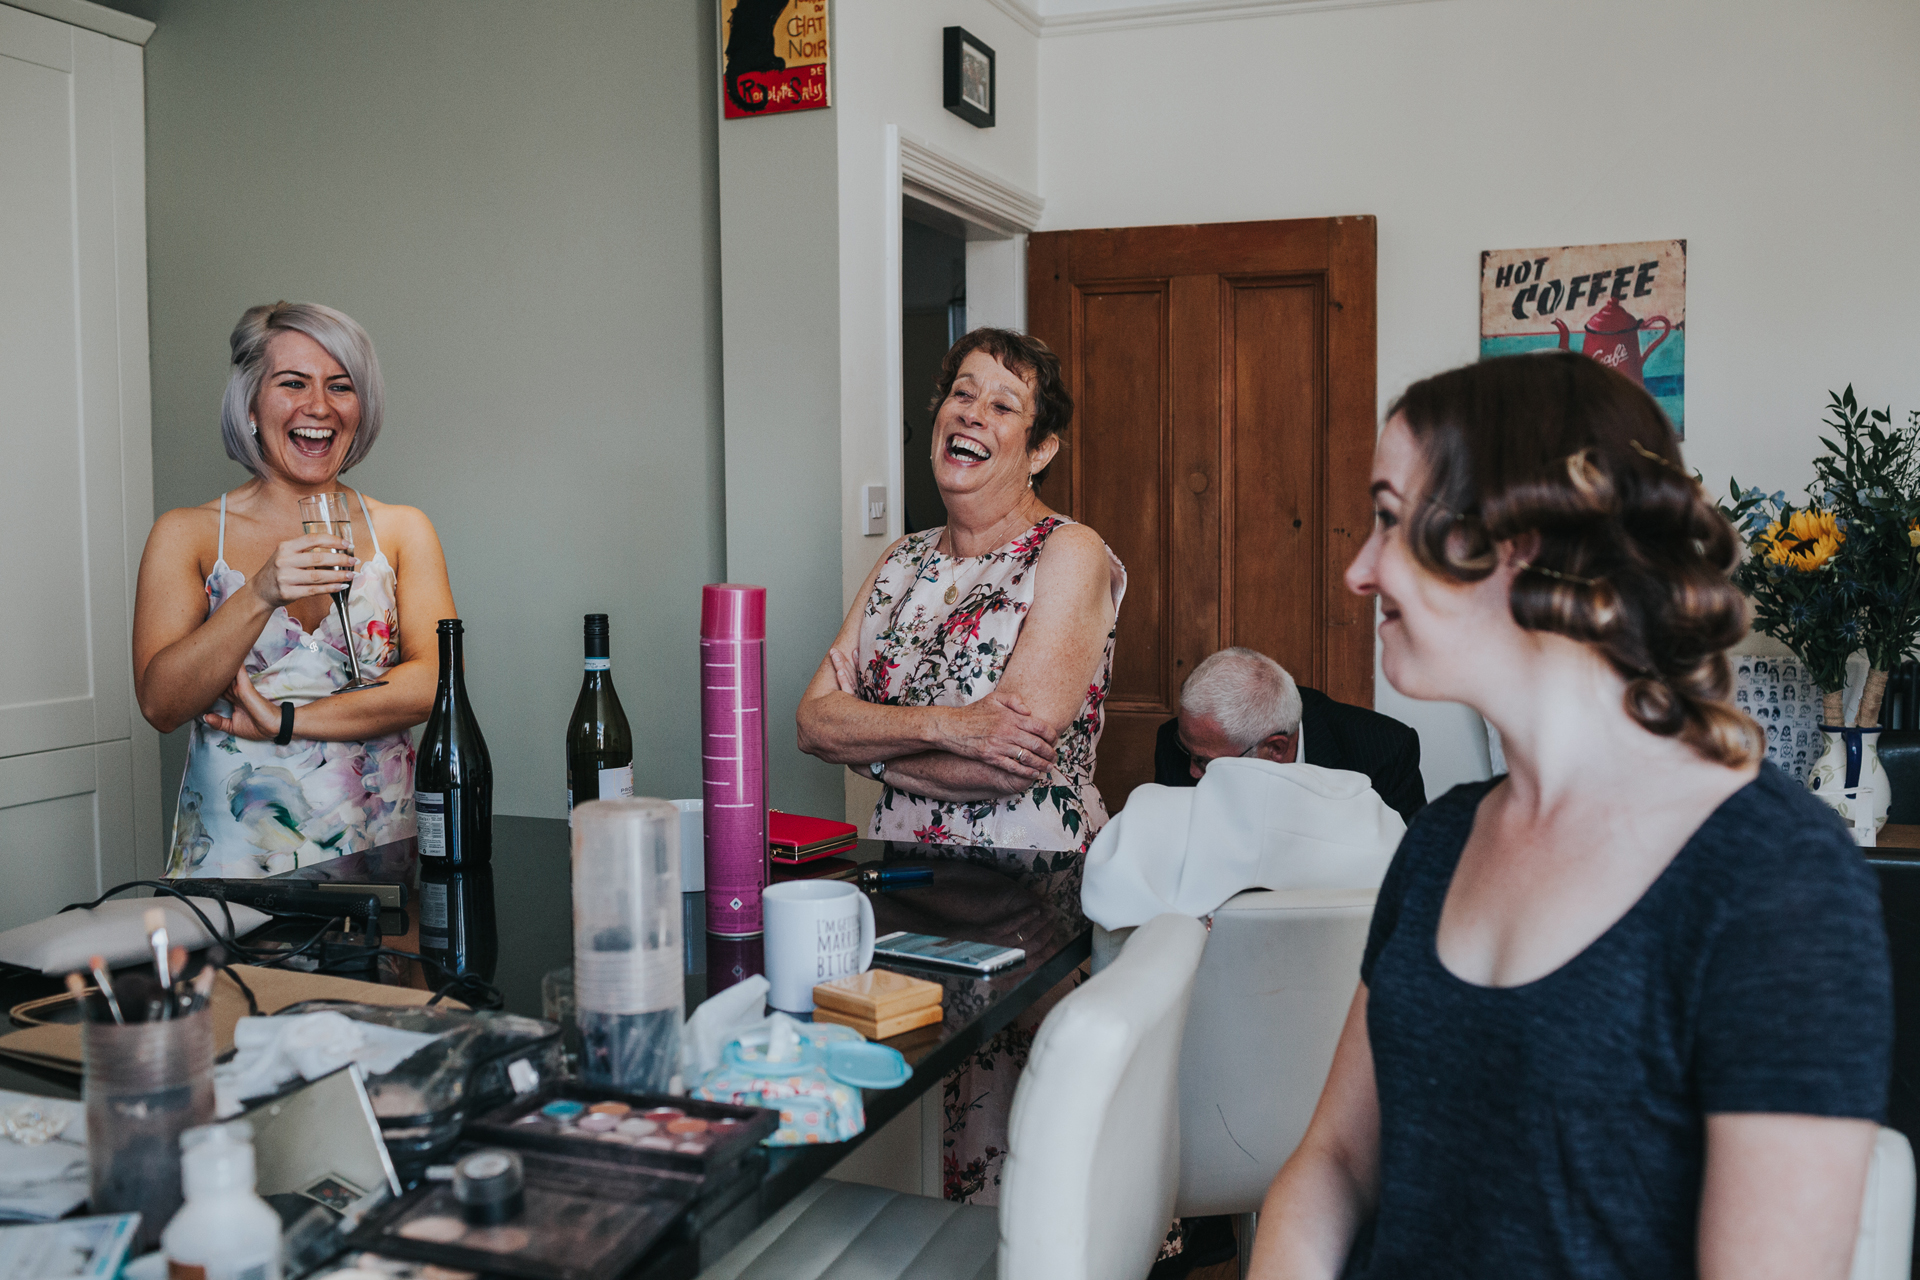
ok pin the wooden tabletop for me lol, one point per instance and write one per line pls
(1900, 835)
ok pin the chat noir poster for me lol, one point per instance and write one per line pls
(773, 56)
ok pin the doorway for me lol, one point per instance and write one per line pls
(933, 316)
(1224, 390)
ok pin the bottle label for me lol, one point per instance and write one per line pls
(599, 664)
(255, 1268)
(616, 783)
(433, 911)
(430, 814)
(637, 981)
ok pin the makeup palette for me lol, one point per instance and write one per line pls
(532, 1215)
(686, 1135)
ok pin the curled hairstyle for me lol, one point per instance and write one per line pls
(1249, 695)
(338, 334)
(1028, 357)
(1577, 467)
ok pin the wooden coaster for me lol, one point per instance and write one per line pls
(884, 1028)
(877, 995)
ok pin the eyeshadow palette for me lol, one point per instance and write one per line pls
(687, 1135)
(580, 1219)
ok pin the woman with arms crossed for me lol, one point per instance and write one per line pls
(266, 790)
(969, 673)
(969, 677)
(1626, 1011)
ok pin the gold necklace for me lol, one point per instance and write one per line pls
(953, 588)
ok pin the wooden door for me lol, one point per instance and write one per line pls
(1223, 382)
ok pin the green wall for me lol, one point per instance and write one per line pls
(520, 203)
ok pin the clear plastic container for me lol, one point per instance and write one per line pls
(628, 969)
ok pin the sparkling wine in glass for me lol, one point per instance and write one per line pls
(328, 513)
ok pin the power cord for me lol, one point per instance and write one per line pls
(484, 995)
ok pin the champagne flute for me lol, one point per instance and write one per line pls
(328, 513)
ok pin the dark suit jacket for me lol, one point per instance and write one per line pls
(1338, 737)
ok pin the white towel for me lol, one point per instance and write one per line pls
(1249, 824)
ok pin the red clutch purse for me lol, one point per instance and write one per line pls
(794, 837)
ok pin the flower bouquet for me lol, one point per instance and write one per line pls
(1843, 571)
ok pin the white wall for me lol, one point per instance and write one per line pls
(889, 57)
(809, 212)
(1778, 138)
(519, 202)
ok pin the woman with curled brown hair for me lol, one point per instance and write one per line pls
(1626, 1010)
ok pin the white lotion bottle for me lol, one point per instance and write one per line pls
(224, 1231)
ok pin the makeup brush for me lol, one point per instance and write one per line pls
(179, 993)
(77, 988)
(203, 987)
(101, 980)
(157, 939)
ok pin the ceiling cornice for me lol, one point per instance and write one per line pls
(1169, 14)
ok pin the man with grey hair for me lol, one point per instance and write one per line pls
(1239, 702)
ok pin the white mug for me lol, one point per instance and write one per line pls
(816, 931)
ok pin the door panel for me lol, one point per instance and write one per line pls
(62, 500)
(66, 828)
(1273, 569)
(1122, 388)
(1223, 377)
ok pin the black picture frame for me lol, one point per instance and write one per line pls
(964, 53)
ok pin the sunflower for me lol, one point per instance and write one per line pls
(1811, 538)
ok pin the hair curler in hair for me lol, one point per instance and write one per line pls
(733, 751)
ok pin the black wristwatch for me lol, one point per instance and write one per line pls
(285, 735)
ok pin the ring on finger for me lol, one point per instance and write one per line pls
(1021, 755)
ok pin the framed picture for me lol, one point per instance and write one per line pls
(1623, 304)
(969, 78)
(773, 57)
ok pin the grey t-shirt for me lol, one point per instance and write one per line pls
(1558, 1128)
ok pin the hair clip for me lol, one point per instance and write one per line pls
(1576, 579)
(1668, 463)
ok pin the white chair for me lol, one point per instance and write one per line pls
(1278, 975)
(1884, 1248)
(1088, 1187)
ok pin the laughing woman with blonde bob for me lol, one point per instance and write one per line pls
(233, 630)
(1624, 1011)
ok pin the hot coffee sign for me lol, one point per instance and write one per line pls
(1625, 305)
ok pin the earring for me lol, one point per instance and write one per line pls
(254, 427)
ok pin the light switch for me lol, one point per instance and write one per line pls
(873, 508)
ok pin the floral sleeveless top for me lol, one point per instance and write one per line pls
(916, 650)
(250, 808)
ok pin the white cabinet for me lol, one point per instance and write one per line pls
(79, 768)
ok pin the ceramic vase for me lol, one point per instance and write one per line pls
(1852, 760)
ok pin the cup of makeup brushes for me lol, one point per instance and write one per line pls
(144, 1084)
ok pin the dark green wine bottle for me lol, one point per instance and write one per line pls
(599, 743)
(453, 775)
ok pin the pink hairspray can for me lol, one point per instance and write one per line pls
(733, 751)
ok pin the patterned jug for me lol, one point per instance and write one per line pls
(1852, 759)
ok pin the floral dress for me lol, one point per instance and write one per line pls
(249, 809)
(918, 650)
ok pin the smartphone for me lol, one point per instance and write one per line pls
(946, 953)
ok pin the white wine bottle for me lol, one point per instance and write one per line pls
(599, 743)
(453, 775)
